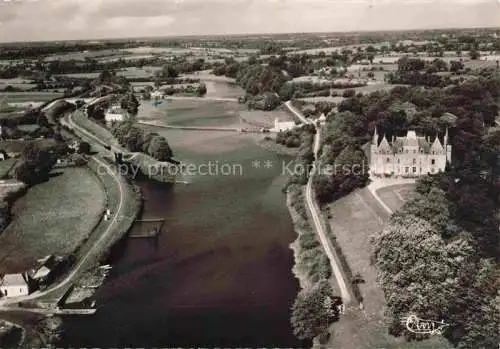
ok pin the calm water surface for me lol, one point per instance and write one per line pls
(219, 274)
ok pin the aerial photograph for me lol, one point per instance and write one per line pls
(250, 174)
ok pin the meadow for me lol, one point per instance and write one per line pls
(53, 217)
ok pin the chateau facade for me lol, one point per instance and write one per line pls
(409, 156)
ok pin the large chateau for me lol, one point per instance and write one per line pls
(409, 156)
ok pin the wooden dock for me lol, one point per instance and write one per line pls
(152, 233)
(68, 311)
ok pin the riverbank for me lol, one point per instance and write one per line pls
(312, 265)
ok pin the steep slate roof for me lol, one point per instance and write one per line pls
(436, 145)
(13, 280)
(423, 144)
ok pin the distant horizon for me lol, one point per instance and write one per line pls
(170, 37)
(74, 20)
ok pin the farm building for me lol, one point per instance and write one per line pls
(14, 285)
(115, 113)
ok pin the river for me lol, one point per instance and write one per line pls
(220, 272)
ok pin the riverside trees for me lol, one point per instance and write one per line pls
(136, 140)
(313, 311)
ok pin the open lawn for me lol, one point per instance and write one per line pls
(395, 196)
(53, 217)
(353, 220)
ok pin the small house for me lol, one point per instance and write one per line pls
(283, 125)
(3, 155)
(42, 275)
(14, 285)
(157, 94)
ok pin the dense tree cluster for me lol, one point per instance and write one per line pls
(130, 103)
(415, 71)
(313, 311)
(433, 265)
(263, 83)
(305, 155)
(137, 140)
(36, 163)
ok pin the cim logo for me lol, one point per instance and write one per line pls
(416, 325)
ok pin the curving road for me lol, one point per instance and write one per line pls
(324, 238)
(297, 113)
(81, 265)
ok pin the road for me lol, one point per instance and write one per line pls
(297, 113)
(324, 239)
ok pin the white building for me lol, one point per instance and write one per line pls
(409, 156)
(157, 94)
(115, 113)
(283, 125)
(14, 285)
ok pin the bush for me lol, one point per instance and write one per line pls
(349, 93)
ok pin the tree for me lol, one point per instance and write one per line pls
(456, 66)
(35, 165)
(201, 90)
(312, 311)
(418, 270)
(84, 148)
(159, 149)
(474, 53)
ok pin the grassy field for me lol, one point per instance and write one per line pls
(53, 217)
(6, 167)
(17, 83)
(19, 97)
(265, 118)
(353, 220)
(17, 146)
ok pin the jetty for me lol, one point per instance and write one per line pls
(152, 232)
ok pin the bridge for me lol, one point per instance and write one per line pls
(199, 128)
(206, 99)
